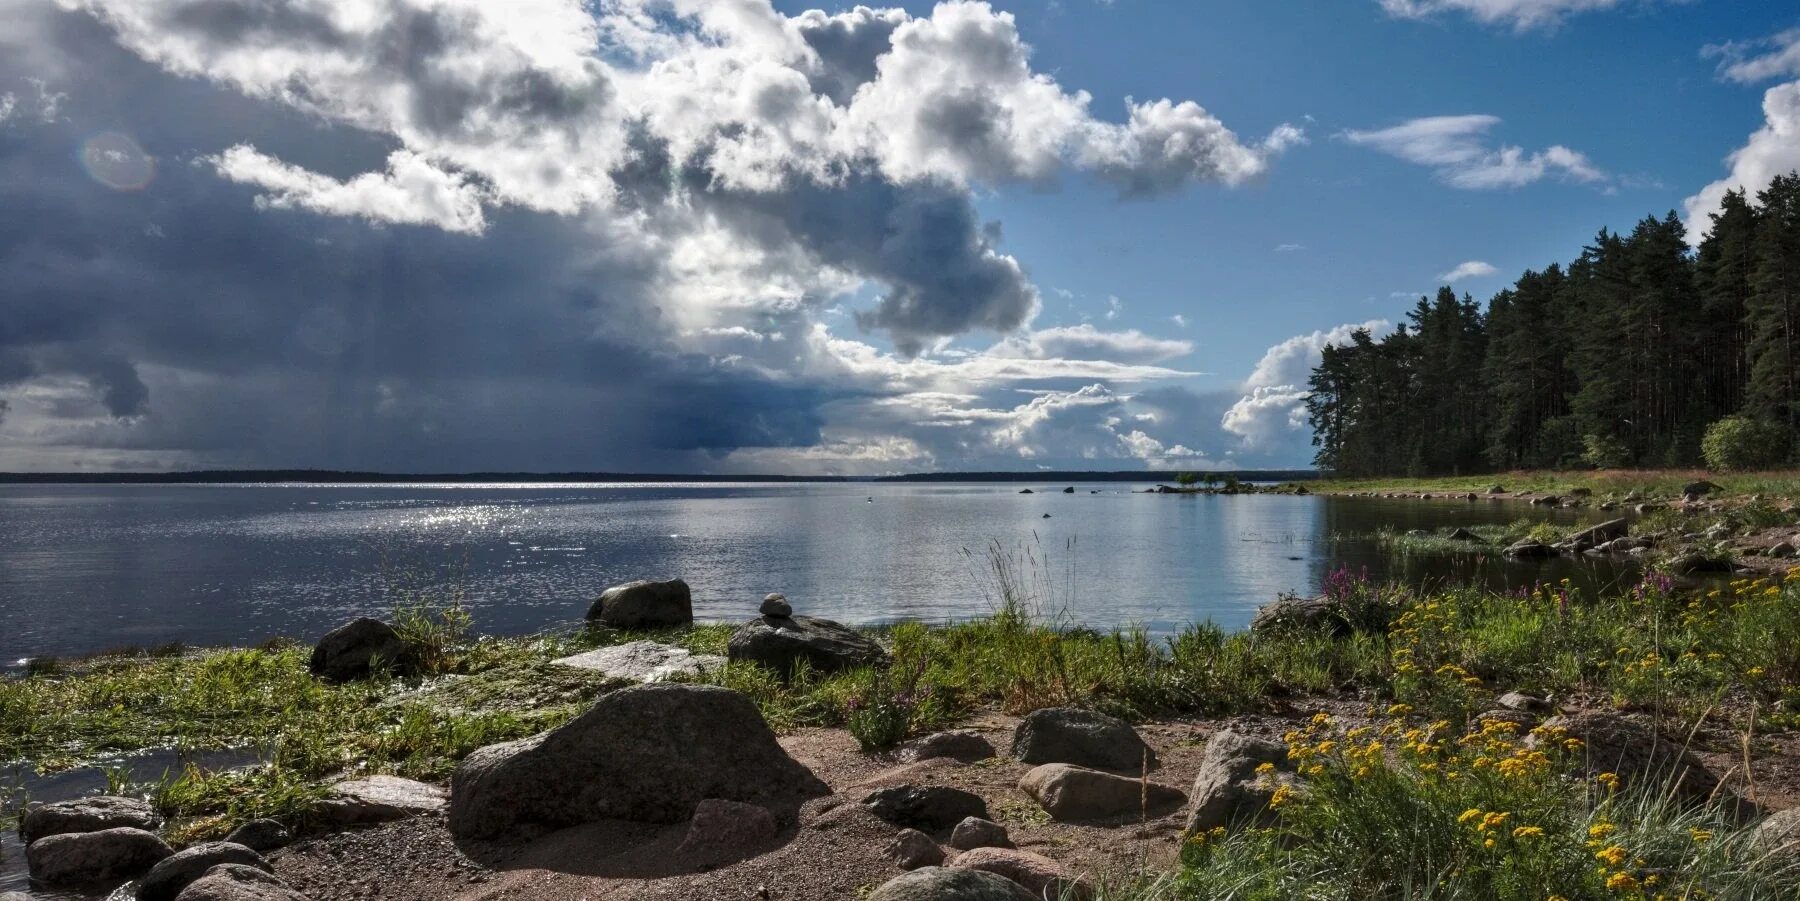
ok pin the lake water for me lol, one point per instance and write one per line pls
(86, 568)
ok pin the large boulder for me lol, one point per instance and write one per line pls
(1041, 876)
(1593, 536)
(781, 642)
(1632, 750)
(928, 808)
(644, 605)
(87, 815)
(1228, 790)
(644, 661)
(237, 882)
(944, 884)
(357, 648)
(168, 878)
(1298, 614)
(649, 753)
(378, 799)
(86, 858)
(1082, 737)
(1081, 795)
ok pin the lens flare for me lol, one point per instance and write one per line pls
(116, 161)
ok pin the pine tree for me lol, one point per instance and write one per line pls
(1773, 307)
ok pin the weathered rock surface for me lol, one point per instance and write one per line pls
(912, 849)
(1081, 795)
(169, 877)
(1530, 549)
(1779, 834)
(727, 828)
(236, 882)
(929, 808)
(644, 605)
(379, 799)
(965, 745)
(354, 649)
(1319, 614)
(1610, 530)
(1227, 790)
(87, 815)
(1082, 737)
(975, 832)
(944, 884)
(644, 661)
(1041, 876)
(650, 753)
(261, 835)
(781, 642)
(1520, 701)
(83, 858)
(1613, 743)
(776, 605)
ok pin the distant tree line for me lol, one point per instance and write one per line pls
(1640, 352)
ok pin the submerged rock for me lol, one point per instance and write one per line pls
(944, 884)
(644, 605)
(356, 649)
(86, 858)
(781, 642)
(87, 815)
(1083, 737)
(644, 661)
(650, 753)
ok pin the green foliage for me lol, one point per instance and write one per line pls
(1738, 443)
(1605, 451)
(1186, 479)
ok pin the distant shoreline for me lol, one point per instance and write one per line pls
(338, 477)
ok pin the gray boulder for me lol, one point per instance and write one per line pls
(975, 832)
(942, 884)
(781, 642)
(1524, 703)
(1227, 790)
(356, 649)
(644, 661)
(1082, 737)
(928, 808)
(168, 878)
(1297, 614)
(86, 858)
(649, 753)
(912, 849)
(644, 605)
(378, 799)
(237, 882)
(87, 815)
(261, 835)
(965, 745)
(1080, 795)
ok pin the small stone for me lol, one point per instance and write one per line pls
(728, 827)
(1784, 549)
(168, 878)
(775, 605)
(1041, 876)
(930, 808)
(261, 835)
(1520, 701)
(965, 745)
(912, 849)
(78, 858)
(975, 832)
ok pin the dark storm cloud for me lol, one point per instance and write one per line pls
(275, 338)
(848, 44)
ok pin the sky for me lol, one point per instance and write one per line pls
(763, 236)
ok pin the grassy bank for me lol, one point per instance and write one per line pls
(1648, 483)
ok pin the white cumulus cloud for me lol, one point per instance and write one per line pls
(1774, 148)
(1468, 270)
(1522, 15)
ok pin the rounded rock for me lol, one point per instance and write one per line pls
(912, 849)
(80, 858)
(87, 815)
(942, 884)
(236, 882)
(975, 832)
(775, 605)
(170, 876)
(1081, 737)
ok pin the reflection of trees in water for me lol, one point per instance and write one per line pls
(1347, 527)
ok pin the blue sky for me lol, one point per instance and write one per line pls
(773, 236)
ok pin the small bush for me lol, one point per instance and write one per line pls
(1605, 451)
(1738, 443)
(886, 704)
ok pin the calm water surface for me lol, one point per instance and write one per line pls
(85, 568)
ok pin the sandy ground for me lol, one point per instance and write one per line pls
(835, 851)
